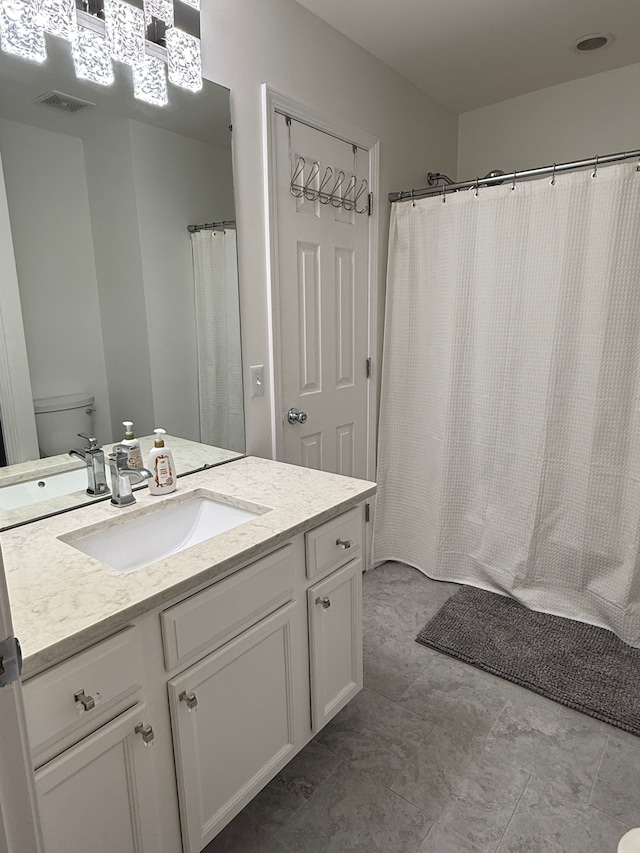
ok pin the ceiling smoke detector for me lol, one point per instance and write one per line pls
(594, 41)
(60, 101)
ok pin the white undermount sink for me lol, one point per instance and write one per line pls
(16, 495)
(140, 538)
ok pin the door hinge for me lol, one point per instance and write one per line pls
(369, 368)
(370, 204)
(10, 661)
(367, 512)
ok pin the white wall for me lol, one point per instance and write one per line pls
(48, 205)
(250, 42)
(178, 181)
(572, 121)
(114, 221)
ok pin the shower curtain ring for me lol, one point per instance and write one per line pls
(477, 186)
(513, 183)
(553, 176)
(595, 171)
(413, 198)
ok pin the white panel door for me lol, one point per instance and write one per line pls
(323, 275)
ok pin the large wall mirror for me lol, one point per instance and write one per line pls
(104, 291)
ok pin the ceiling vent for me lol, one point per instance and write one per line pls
(63, 102)
(594, 41)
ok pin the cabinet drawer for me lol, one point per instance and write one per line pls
(103, 677)
(334, 543)
(212, 617)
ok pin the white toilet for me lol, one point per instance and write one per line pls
(60, 419)
(630, 842)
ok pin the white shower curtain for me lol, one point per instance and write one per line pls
(509, 449)
(218, 338)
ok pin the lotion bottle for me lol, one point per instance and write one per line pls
(162, 466)
(135, 456)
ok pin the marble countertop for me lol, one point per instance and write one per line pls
(63, 600)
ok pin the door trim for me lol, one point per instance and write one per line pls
(20, 830)
(275, 103)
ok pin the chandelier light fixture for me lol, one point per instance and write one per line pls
(145, 35)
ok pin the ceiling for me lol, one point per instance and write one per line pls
(471, 53)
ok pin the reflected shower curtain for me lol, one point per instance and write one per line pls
(218, 338)
(509, 442)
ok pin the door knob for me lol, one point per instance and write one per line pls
(296, 417)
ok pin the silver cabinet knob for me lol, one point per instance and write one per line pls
(190, 698)
(325, 601)
(87, 702)
(146, 732)
(344, 543)
(296, 417)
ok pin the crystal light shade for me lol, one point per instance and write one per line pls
(150, 82)
(162, 9)
(122, 37)
(185, 67)
(21, 30)
(125, 30)
(59, 18)
(91, 58)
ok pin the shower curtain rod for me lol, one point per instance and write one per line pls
(409, 195)
(210, 226)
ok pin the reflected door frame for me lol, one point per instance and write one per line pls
(274, 105)
(16, 404)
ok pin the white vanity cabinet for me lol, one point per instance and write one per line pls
(334, 604)
(89, 730)
(243, 711)
(227, 683)
(238, 714)
(234, 719)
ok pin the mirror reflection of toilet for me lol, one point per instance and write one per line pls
(60, 419)
(630, 842)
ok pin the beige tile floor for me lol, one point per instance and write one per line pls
(435, 756)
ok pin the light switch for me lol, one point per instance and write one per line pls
(256, 374)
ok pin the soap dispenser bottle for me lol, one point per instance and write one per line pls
(162, 466)
(135, 456)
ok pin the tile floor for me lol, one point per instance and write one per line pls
(435, 756)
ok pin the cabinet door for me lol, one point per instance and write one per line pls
(98, 795)
(233, 724)
(335, 641)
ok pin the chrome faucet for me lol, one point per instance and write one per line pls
(121, 474)
(93, 457)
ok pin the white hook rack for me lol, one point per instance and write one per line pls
(330, 187)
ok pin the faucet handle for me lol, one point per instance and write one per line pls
(93, 442)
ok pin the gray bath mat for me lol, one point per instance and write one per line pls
(580, 666)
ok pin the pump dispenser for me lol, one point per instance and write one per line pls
(130, 441)
(162, 466)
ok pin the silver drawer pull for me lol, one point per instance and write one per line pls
(325, 602)
(147, 733)
(190, 698)
(87, 702)
(344, 543)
